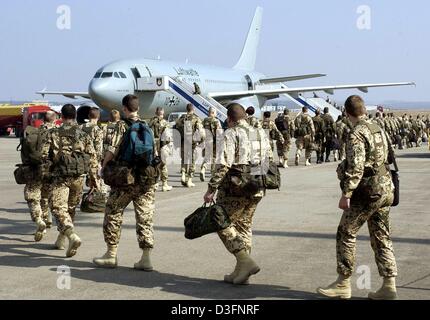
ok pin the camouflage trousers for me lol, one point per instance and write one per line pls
(377, 216)
(238, 235)
(37, 195)
(210, 156)
(188, 161)
(164, 152)
(304, 143)
(284, 148)
(342, 149)
(66, 195)
(143, 198)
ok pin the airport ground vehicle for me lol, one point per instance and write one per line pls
(15, 118)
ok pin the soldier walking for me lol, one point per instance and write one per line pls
(212, 127)
(285, 125)
(367, 195)
(304, 134)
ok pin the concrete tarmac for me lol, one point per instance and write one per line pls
(294, 243)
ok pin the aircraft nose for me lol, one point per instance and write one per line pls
(99, 92)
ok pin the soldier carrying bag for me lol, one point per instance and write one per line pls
(206, 220)
(93, 202)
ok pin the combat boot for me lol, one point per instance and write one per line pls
(156, 186)
(318, 158)
(40, 231)
(203, 174)
(190, 183)
(281, 162)
(297, 160)
(308, 162)
(246, 267)
(60, 243)
(145, 262)
(341, 288)
(166, 187)
(387, 291)
(109, 259)
(74, 242)
(183, 177)
(285, 163)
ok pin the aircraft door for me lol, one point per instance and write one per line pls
(249, 82)
(140, 71)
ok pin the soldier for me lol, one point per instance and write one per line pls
(212, 126)
(240, 205)
(141, 193)
(46, 190)
(367, 190)
(342, 135)
(109, 129)
(304, 134)
(191, 129)
(329, 133)
(271, 130)
(379, 121)
(285, 125)
(159, 125)
(251, 119)
(319, 135)
(73, 156)
(96, 136)
(37, 191)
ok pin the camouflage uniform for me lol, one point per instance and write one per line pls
(191, 128)
(142, 196)
(319, 136)
(96, 135)
(67, 191)
(239, 149)
(108, 132)
(212, 126)
(272, 132)
(342, 135)
(253, 122)
(284, 148)
(158, 126)
(304, 141)
(37, 193)
(366, 150)
(329, 134)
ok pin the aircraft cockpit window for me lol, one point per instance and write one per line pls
(97, 75)
(122, 75)
(116, 75)
(107, 74)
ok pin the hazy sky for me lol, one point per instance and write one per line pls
(298, 37)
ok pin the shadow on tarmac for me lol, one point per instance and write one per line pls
(414, 155)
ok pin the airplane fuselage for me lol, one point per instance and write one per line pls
(114, 81)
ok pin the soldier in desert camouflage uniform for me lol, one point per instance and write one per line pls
(192, 134)
(109, 129)
(342, 135)
(213, 128)
(69, 142)
(305, 133)
(37, 192)
(271, 131)
(97, 136)
(251, 119)
(243, 146)
(141, 193)
(367, 190)
(319, 135)
(159, 125)
(287, 129)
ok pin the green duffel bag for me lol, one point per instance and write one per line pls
(93, 201)
(24, 174)
(206, 220)
(272, 179)
(118, 176)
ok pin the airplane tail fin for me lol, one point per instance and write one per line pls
(249, 52)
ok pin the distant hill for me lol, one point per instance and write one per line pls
(407, 105)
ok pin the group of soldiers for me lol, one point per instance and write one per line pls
(227, 148)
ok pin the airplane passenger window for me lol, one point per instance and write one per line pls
(123, 75)
(107, 74)
(97, 75)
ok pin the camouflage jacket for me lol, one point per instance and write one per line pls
(158, 125)
(191, 125)
(272, 131)
(243, 145)
(52, 147)
(319, 126)
(211, 124)
(361, 153)
(305, 120)
(329, 125)
(253, 122)
(96, 136)
(108, 131)
(341, 131)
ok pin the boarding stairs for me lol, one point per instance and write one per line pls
(179, 87)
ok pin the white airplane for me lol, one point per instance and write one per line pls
(172, 84)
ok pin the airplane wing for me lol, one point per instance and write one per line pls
(71, 95)
(292, 78)
(271, 93)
